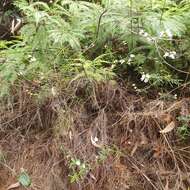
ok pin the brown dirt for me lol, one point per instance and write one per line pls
(130, 153)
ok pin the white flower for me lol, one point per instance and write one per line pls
(169, 33)
(145, 34)
(141, 32)
(112, 66)
(161, 34)
(129, 61)
(145, 78)
(21, 73)
(171, 54)
(132, 56)
(166, 54)
(32, 59)
(122, 61)
(77, 162)
(134, 86)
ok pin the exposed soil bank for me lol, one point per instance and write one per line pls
(117, 135)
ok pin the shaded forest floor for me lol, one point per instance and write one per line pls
(124, 141)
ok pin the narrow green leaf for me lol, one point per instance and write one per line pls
(24, 179)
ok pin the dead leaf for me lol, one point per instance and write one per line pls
(14, 186)
(168, 128)
(93, 141)
(92, 176)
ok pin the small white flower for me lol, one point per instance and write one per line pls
(145, 78)
(145, 34)
(134, 86)
(169, 33)
(122, 61)
(141, 32)
(115, 61)
(166, 54)
(21, 73)
(33, 59)
(132, 56)
(77, 162)
(161, 34)
(112, 66)
(175, 96)
(129, 61)
(171, 54)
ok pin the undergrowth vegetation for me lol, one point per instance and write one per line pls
(148, 40)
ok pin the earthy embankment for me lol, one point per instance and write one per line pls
(121, 140)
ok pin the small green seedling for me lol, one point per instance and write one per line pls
(24, 179)
(79, 170)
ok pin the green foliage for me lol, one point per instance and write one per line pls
(24, 179)
(104, 153)
(2, 157)
(96, 40)
(79, 170)
(184, 128)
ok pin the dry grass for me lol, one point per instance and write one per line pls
(129, 152)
